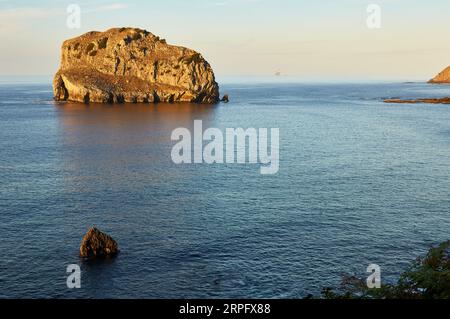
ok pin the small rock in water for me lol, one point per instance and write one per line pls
(225, 98)
(97, 244)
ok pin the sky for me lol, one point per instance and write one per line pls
(305, 39)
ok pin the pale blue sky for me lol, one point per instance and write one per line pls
(310, 39)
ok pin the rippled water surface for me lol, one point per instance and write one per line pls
(360, 182)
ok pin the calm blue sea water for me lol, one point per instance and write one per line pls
(360, 182)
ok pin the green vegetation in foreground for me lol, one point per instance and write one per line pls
(427, 278)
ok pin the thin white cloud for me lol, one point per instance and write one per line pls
(32, 12)
(26, 13)
(223, 3)
(108, 7)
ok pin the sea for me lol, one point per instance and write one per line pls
(360, 182)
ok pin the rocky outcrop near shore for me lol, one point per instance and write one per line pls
(97, 244)
(132, 65)
(445, 100)
(443, 77)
